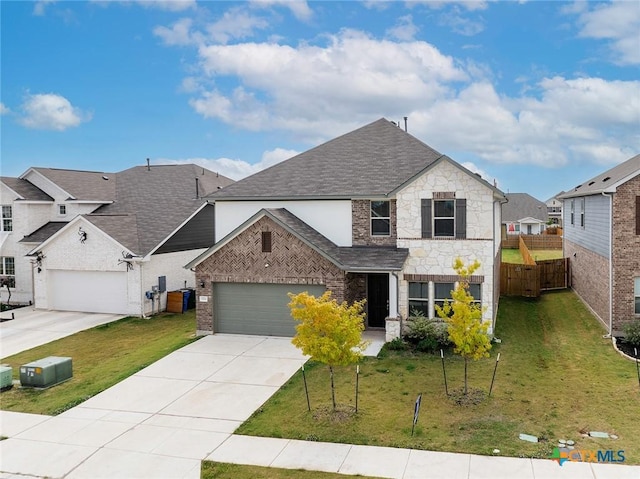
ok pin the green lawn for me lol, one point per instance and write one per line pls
(102, 357)
(557, 378)
(218, 470)
(513, 255)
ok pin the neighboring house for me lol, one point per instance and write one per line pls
(523, 214)
(601, 231)
(374, 214)
(114, 241)
(554, 209)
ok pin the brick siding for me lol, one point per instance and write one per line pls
(242, 261)
(626, 252)
(590, 279)
(361, 224)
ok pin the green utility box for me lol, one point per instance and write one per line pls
(46, 372)
(6, 377)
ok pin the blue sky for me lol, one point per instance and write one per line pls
(537, 95)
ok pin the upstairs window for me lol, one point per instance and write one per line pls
(638, 215)
(380, 218)
(573, 211)
(62, 210)
(266, 241)
(636, 294)
(582, 212)
(444, 218)
(7, 218)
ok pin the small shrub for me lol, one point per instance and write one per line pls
(397, 344)
(632, 332)
(428, 345)
(435, 332)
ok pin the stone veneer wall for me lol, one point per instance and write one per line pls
(590, 279)
(242, 261)
(361, 219)
(626, 252)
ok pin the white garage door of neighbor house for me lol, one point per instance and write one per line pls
(250, 308)
(88, 291)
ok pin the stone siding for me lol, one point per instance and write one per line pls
(590, 279)
(242, 261)
(626, 253)
(361, 219)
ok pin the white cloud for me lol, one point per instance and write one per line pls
(235, 23)
(236, 169)
(617, 22)
(404, 29)
(353, 77)
(51, 112)
(470, 5)
(39, 8)
(179, 33)
(167, 5)
(4, 110)
(299, 8)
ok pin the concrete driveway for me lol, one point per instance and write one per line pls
(160, 422)
(34, 327)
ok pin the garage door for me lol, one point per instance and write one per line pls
(88, 291)
(247, 308)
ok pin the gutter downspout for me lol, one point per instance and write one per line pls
(497, 279)
(610, 264)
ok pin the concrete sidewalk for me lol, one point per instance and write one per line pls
(34, 327)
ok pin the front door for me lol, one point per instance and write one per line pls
(377, 300)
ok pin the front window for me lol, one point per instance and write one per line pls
(444, 218)
(636, 290)
(419, 298)
(7, 218)
(475, 290)
(8, 268)
(573, 210)
(442, 293)
(380, 218)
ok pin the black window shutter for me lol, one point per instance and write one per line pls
(461, 218)
(638, 215)
(426, 218)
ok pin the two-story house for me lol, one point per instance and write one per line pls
(374, 214)
(107, 242)
(601, 231)
(554, 209)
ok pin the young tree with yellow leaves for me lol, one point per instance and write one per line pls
(466, 329)
(328, 332)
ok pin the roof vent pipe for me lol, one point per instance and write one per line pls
(148, 165)
(197, 190)
(405, 123)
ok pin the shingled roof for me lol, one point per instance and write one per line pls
(523, 205)
(371, 161)
(82, 185)
(152, 202)
(25, 190)
(379, 258)
(607, 181)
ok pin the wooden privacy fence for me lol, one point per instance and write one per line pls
(533, 241)
(530, 279)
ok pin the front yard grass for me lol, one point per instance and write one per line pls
(220, 470)
(102, 357)
(557, 379)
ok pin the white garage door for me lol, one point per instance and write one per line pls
(88, 291)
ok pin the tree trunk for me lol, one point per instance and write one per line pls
(465, 375)
(333, 389)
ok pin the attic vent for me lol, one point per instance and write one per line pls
(105, 177)
(591, 182)
(578, 186)
(606, 179)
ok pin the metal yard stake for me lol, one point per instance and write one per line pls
(635, 350)
(357, 376)
(444, 372)
(416, 412)
(494, 374)
(306, 391)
